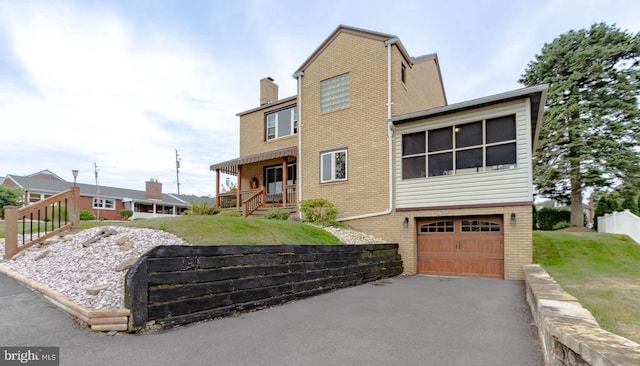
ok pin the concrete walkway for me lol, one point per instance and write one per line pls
(400, 321)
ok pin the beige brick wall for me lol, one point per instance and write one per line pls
(517, 236)
(423, 87)
(252, 132)
(361, 127)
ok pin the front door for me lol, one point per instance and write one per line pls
(273, 181)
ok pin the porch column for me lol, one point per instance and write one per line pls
(217, 187)
(239, 188)
(285, 179)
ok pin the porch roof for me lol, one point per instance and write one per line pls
(230, 167)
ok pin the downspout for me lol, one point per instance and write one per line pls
(388, 43)
(298, 76)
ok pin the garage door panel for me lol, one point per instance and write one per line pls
(470, 247)
(444, 267)
(494, 268)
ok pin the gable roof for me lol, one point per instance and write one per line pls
(89, 190)
(383, 37)
(537, 94)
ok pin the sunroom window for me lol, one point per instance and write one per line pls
(470, 147)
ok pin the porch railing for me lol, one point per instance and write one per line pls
(256, 200)
(33, 224)
(290, 190)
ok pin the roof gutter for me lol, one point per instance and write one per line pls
(388, 43)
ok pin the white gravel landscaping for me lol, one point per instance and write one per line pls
(89, 260)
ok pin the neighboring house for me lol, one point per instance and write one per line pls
(370, 131)
(148, 203)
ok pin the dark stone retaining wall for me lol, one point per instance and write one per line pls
(175, 285)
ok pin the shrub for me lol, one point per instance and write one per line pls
(86, 215)
(277, 214)
(201, 208)
(230, 213)
(318, 211)
(535, 217)
(561, 225)
(126, 214)
(548, 217)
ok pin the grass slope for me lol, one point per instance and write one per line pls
(220, 230)
(601, 270)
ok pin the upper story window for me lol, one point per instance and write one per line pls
(469, 147)
(282, 123)
(334, 93)
(403, 73)
(333, 166)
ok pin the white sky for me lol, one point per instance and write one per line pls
(125, 83)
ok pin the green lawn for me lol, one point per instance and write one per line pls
(601, 270)
(216, 230)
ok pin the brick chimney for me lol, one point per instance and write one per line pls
(268, 91)
(153, 190)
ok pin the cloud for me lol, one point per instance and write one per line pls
(101, 92)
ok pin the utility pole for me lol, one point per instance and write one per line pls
(178, 171)
(98, 198)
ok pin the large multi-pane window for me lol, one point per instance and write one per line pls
(282, 123)
(333, 166)
(469, 147)
(334, 93)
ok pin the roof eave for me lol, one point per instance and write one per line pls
(351, 30)
(268, 105)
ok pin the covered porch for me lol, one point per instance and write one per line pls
(266, 179)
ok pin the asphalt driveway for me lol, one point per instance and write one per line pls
(413, 320)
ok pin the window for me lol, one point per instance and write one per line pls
(333, 166)
(103, 203)
(477, 225)
(334, 93)
(469, 147)
(282, 123)
(403, 74)
(437, 227)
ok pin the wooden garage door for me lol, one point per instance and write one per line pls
(468, 247)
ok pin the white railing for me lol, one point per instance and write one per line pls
(620, 223)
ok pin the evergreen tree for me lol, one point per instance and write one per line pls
(591, 127)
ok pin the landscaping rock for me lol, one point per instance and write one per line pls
(126, 246)
(42, 255)
(126, 264)
(103, 233)
(121, 240)
(96, 289)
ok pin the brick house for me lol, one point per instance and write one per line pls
(151, 202)
(370, 131)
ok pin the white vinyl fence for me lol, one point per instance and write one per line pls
(620, 223)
